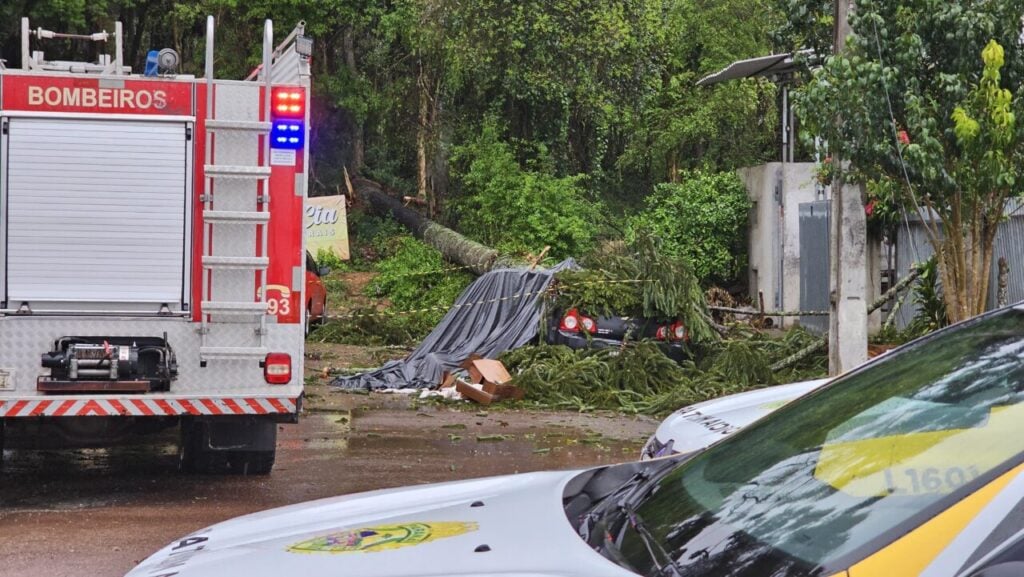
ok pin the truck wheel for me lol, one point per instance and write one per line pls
(243, 446)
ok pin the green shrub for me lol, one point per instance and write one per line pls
(372, 238)
(927, 294)
(702, 218)
(368, 327)
(417, 277)
(520, 211)
(327, 258)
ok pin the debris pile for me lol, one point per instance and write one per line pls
(501, 310)
(639, 378)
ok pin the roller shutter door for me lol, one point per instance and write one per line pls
(96, 211)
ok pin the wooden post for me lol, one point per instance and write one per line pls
(1003, 290)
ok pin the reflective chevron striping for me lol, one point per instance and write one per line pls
(145, 407)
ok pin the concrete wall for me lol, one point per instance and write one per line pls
(777, 189)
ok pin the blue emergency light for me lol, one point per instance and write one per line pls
(287, 134)
(287, 116)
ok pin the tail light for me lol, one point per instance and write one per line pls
(574, 322)
(570, 322)
(588, 324)
(678, 332)
(277, 368)
(661, 334)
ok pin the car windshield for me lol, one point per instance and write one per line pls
(827, 480)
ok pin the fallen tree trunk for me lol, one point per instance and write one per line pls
(455, 247)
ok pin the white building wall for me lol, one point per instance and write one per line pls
(777, 189)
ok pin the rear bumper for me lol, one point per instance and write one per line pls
(282, 407)
(673, 351)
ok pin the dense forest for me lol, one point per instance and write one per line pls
(523, 124)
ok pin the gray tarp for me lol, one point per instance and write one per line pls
(500, 311)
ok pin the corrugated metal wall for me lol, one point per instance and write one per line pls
(814, 264)
(1009, 244)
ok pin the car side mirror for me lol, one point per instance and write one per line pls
(324, 271)
(1008, 569)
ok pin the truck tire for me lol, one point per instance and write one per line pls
(233, 446)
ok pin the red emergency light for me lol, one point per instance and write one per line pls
(288, 103)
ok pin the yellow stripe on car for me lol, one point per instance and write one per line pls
(908, 556)
(920, 463)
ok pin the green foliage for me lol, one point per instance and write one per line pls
(702, 219)
(807, 24)
(680, 125)
(597, 292)
(372, 238)
(884, 210)
(743, 364)
(327, 258)
(639, 378)
(620, 379)
(946, 72)
(605, 87)
(370, 327)
(519, 210)
(670, 290)
(414, 278)
(644, 281)
(927, 295)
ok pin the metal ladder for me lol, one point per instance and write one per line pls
(214, 310)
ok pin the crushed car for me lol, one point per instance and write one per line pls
(911, 465)
(579, 330)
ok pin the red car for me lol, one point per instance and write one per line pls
(316, 293)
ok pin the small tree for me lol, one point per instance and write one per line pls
(703, 219)
(910, 104)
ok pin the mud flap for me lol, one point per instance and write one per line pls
(228, 445)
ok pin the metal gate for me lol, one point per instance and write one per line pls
(814, 264)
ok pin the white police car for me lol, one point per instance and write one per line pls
(909, 466)
(696, 426)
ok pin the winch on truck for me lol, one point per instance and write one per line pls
(151, 250)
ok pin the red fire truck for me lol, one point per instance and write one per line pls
(151, 252)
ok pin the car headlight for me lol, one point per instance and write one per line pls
(655, 448)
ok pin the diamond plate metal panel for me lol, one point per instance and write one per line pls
(287, 68)
(24, 339)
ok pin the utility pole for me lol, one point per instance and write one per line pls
(848, 314)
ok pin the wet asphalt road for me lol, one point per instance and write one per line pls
(99, 512)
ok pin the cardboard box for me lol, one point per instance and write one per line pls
(488, 381)
(474, 393)
(486, 371)
(503, 391)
